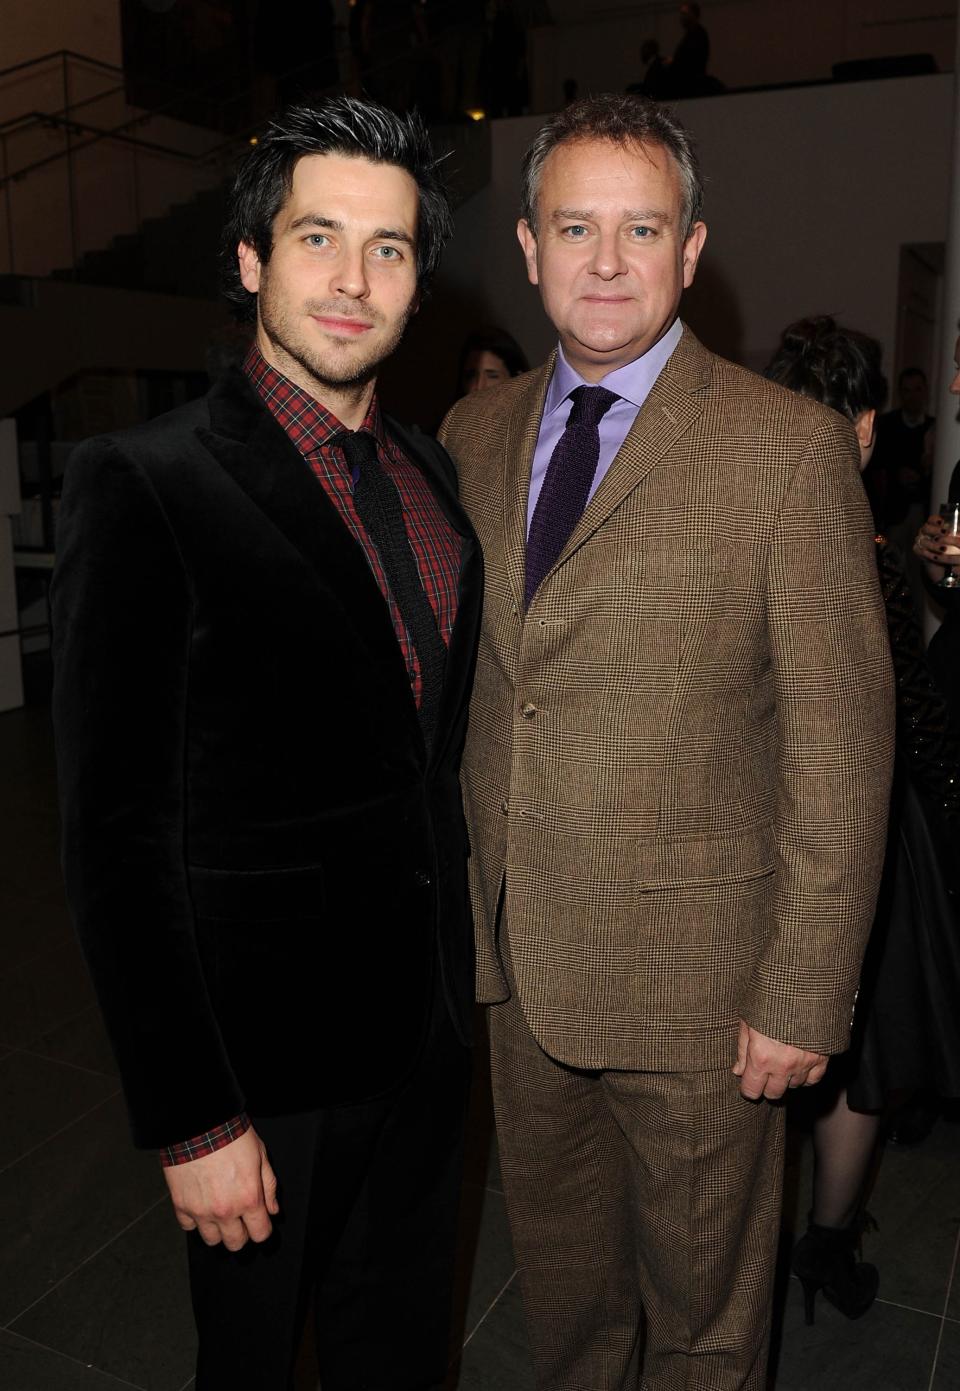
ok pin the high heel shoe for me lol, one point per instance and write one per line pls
(824, 1260)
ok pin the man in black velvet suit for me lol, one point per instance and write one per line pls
(265, 616)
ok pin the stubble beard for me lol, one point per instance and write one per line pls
(334, 369)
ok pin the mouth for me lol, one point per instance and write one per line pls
(342, 327)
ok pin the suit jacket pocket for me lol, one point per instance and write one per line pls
(257, 895)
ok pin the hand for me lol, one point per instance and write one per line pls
(767, 1068)
(226, 1196)
(928, 545)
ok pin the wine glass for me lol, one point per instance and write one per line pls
(950, 512)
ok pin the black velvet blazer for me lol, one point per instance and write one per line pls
(260, 857)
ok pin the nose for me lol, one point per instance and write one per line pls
(608, 261)
(350, 274)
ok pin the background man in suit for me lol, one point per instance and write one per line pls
(676, 775)
(265, 612)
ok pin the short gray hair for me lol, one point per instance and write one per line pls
(622, 120)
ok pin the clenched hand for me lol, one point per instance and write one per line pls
(767, 1068)
(227, 1196)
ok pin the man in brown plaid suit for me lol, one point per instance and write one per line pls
(676, 775)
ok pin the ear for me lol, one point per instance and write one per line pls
(866, 428)
(249, 263)
(528, 242)
(691, 252)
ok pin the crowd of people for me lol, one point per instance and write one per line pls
(355, 726)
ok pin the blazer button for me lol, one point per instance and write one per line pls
(528, 711)
(505, 807)
(422, 878)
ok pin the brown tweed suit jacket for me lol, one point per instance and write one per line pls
(678, 759)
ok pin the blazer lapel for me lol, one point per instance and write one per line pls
(255, 451)
(519, 446)
(674, 403)
(461, 653)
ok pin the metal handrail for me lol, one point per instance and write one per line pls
(84, 128)
(60, 53)
(33, 118)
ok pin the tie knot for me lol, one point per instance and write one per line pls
(590, 405)
(359, 447)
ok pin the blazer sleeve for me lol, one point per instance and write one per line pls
(122, 620)
(835, 719)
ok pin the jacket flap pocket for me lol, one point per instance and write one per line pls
(257, 895)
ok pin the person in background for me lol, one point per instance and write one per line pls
(898, 478)
(687, 75)
(489, 355)
(906, 1029)
(656, 73)
(943, 653)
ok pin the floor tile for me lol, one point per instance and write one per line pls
(946, 1376)
(42, 993)
(486, 1260)
(497, 1357)
(126, 1311)
(30, 925)
(888, 1349)
(26, 1367)
(68, 1199)
(81, 1041)
(39, 1097)
(916, 1204)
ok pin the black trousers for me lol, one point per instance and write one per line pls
(368, 1214)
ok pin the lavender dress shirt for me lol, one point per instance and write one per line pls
(632, 384)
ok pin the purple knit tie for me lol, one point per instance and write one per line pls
(566, 484)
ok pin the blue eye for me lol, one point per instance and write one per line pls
(576, 232)
(316, 239)
(642, 233)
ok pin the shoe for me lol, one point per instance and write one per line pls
(824, 1260)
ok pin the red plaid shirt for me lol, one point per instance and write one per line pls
(435, 545)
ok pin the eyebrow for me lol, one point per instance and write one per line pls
(334, 225)
(631, 215)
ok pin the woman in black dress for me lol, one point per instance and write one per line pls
(906, 1032)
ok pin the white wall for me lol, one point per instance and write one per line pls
(811, 193)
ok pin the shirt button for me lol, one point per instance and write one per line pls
(528, 711)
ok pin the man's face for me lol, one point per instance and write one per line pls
(341, 282)
(610, 257)
(913, 395)
(955, 384)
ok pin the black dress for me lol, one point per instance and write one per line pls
(943, 653)
(906, 1032)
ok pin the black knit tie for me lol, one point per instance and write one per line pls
(566, 483)
(381, 513)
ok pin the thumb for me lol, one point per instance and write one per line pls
(269, 1181)
(743, 1040)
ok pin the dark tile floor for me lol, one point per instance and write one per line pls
(92, 1288)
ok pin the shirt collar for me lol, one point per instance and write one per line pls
(308, 424)
(632, 382)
